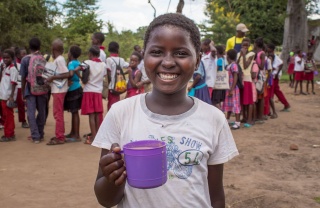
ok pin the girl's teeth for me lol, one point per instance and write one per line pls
(168, 76)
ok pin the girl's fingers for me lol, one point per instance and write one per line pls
(116, 175)
(122, 179)
(107, 170)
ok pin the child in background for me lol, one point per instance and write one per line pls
(199, 88)
(219, 96)
(210, 65)
(246, 60)
(291, 68)
(72, 102)
(170, 40)
(20, 53)
(92, 96)
(98, 39)
(9, 78)
(299, 72)
(232, 102)
(134, 75)
(254, 77)
(310, 68)
(277, 71)
(260, 61)
(112, 61)
(58, 93)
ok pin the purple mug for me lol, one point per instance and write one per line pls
(146, 163)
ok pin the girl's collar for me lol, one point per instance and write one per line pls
(102, 47)
(114, 55)
(96, 60)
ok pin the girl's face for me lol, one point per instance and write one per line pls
(170, 59)
(245, 45)
(134, 61)
(7, 60)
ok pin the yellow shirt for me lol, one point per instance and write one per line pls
(231, 42)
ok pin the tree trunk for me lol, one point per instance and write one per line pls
(295, 29)
(180, 6)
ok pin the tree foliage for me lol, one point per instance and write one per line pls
(263, 18)
(224, 23)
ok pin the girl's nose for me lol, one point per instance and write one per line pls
(168, 61)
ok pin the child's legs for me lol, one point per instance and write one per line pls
(254, 112)
(250, 112)
(272, 107)
(21, 107)
(31, 115)
(98, 120)
(75, 126)
(295, 87)
(245, 112)
(41, 105)
(260, 108)
(228, 115)
(312, 85)
(8, 119)
(300, 84)
(92, 124)
(112, 99)
(58, 100)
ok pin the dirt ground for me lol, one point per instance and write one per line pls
(267, 174)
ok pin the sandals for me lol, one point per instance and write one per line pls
(247, 125)
(7, 139)
(86, 135)
(71, 140)
(55, 141)
(273, 116)
(285, 110)
(235, 127)
(88, 140)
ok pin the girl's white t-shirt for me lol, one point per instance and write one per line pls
(298, 67)
(202, 133)
(60, 62)
(97, 72)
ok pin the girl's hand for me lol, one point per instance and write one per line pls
(189, 88)
(230, 93)
(139, 84)
(11, 99)
(112, 166)
(129, 70)
(49, 79)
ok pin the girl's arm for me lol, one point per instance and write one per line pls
(263, 60)
(215, 182)
(235, 80)
(58, 76)
(12, 91)
(246, 62)
(135, 81)
(195, 81)
(111, 178)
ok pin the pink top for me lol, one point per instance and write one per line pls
(258, 59)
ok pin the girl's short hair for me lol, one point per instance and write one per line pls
(99, 36)
(246, 40)
(232, 54)
(259, 42)
(95, 50)
(176, 20)
(9, 52)
(113, 47)
(220, 49)
(75, 51)
(137, 54)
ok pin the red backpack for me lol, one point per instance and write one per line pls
(38, 86)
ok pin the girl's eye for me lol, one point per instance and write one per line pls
(156, 52)
(181, 53)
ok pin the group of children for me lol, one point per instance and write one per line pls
(253, 80)
(301, 67)
(73, 86)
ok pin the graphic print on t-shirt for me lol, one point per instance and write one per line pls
(181, 162)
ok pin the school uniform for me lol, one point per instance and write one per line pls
(298, 68)
(58, 94)
(9, 78)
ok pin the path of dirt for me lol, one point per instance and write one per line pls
(265, 175)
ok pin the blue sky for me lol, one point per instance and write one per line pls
(131, 14)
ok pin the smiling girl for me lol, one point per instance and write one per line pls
(172, 53)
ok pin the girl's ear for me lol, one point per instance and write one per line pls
(198, 60)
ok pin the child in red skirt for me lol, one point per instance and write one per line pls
(299, 72)
(310, 67)
(92, 91)
(135, 75)
(291, 68)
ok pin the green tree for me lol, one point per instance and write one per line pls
(19, 21)
(81, 20)
(223, 23)
(264, 18)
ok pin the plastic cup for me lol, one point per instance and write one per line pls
(146, 163)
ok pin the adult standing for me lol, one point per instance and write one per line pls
(236, 41)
